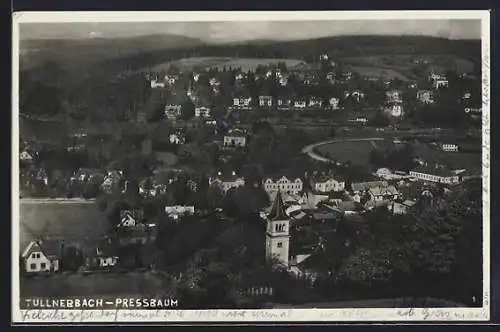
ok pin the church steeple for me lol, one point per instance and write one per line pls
(277, 233)
(278, 208)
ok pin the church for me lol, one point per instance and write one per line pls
(278, 232)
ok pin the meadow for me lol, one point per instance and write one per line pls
(246, 64)
(74, 221)
(357, 152)
(381, 73)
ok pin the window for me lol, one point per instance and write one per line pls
(279, 244)
(33, 266)
(42, 266)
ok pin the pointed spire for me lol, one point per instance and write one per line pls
(278, 208)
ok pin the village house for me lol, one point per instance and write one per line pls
(330, 76)
(103, 255)
(314, 102)
(242, 102)
(334, 103)
(361, 187)
(26, 156)
(347, 75)
(139, 234)
(178, 211)
(283, 81)
(42, 256)
(402, 207)
(425, 97)
(227, 182)
(283, 184)
(235, 138)
(111, 180)
(171, 79)
(283, 102)
(466, 96)
(326, 183)
(177, 138)
(323, 57)
(265, 101)
(173, 111)
(438, 80)
(383, 193)
(41, 176)
(394, 96)
(387, 174)
(155, 84)
(88, 174)
(449, 147)
(394, 110)
(356, 95)
(300, 103)
(202, 112)
(434, 174)
(214, 82)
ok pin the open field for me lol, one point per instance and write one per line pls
(457, 160)
(246, 64)
(382, 73)
(103, 284)
(73, 221)
(357, 152)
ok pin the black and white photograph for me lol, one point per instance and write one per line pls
(250, 166)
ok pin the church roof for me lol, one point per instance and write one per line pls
(277, 209)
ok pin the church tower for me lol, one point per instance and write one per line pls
(278, 233)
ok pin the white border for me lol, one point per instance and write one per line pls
(239, 316)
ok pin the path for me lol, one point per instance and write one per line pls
(309, 149)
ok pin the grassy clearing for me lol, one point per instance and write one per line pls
(357, 153)
(383, 73)
(73, 222)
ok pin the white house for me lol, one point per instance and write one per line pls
(438, 80)
(283, 184)
(177, 138)
(172, 111)
(283, 80)
(171, 79)
(425, 97)
(42, 256)
(394, 96)
(235, 138)
(284, 102)
(202, 112)
(394, 110)
(126, 219)
(356, 95)
(300, 103)
(436, 174)
(156, 84)
(378, 194)
(227, 182)
(473, 110)
(242, 101)
(334, 103)
(449, 147)
(177, 211)
(265, 101)
(25, 156)
(327, 183)
(314, 102)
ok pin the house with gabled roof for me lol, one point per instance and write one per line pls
(42, 256)
(103, 254)
(227, 181)
(282, 183)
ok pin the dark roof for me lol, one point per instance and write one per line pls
(278, 209)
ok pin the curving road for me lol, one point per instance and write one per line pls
(309, 149)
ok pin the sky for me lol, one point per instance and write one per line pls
(245, 30)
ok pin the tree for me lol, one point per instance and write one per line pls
(72, 259)
(380, 120)
(187, 109)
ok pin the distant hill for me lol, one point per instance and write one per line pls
(93, 50)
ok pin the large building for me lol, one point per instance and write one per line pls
(278, 232)
(283, 184)
(326, 183)
(436, 174)
(227, 182)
